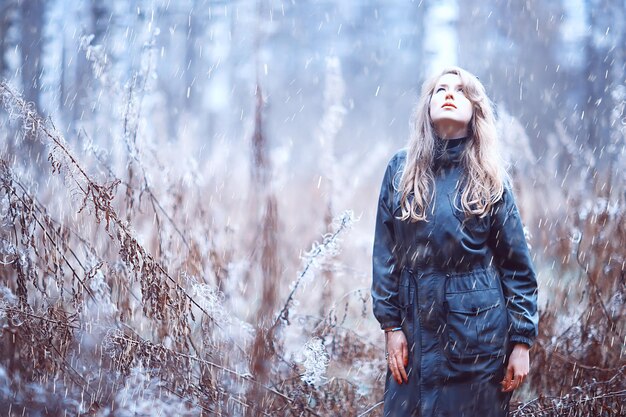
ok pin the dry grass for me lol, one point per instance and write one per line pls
(134, 295)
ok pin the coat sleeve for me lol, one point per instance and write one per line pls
(386, 269)
(513, 260)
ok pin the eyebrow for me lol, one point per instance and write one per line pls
(446, 85)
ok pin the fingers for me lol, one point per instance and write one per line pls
(513, 384)
(508, 380)
(393, 367)
(397, 369)
(512, 381)
(401, 370)
(405, 355)
(517, 368)
(398, 358)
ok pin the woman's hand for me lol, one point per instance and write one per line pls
(517, 368)
(397, 355)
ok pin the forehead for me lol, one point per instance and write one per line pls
(449, 79)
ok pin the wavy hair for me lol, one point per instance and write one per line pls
(484, 173)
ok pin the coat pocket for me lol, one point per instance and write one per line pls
(476, 324)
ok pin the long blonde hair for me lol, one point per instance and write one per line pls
(484, 171)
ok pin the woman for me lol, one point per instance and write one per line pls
(454, 287)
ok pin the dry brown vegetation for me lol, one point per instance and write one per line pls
(121, 295)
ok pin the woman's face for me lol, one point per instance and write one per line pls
(450, 110)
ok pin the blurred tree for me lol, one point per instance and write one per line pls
(9, 15)
(192, 58)
(32, 48)
(81, 88)
(265, 246)
(8, 18)
(604, 68)
(514, 54)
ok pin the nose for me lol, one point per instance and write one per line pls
(449, 94)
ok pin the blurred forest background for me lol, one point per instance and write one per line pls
(188, 192)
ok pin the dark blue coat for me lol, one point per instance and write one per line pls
(462, 289)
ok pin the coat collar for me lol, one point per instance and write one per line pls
(449, 151)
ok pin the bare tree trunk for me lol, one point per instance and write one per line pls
(100, 20)
(32, 48)
(265, 250)
(7, 19)
(265, 245)
(530, 88)
(602, 53)
(81, 91)
(593, 79)
(330, 125)
(193, 29)
(32, 12)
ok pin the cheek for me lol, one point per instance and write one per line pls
(469, 109)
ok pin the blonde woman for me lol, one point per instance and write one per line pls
(454, 286)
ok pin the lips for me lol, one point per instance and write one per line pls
(448, 105)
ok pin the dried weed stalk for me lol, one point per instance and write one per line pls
(164, 298)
